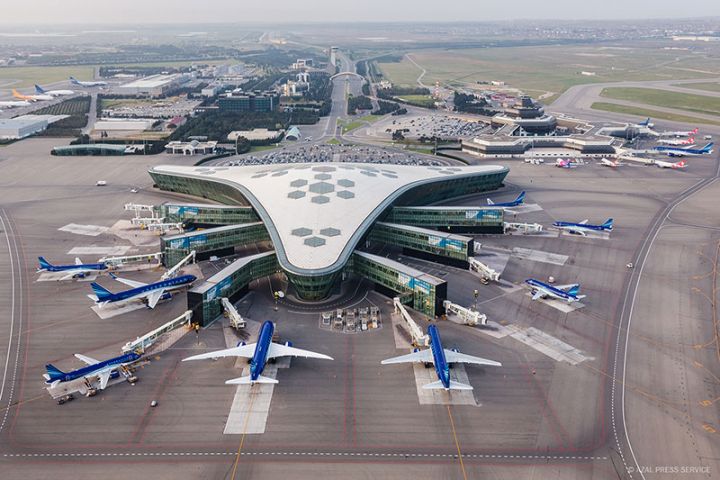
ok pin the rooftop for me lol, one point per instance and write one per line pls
(316, 213)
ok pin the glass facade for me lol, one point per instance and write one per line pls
(313, 288)
(421, 290)
(199, 214)
(231, 282)
(456, 219)
(454, 247)
(176, 247)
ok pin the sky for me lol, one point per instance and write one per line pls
(282, 11)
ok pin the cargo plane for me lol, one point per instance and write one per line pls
(441, 358)
(259, 353)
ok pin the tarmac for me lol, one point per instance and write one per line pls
(587, 393)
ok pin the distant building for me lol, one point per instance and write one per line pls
(153, 86)
(26, 125)
(191, 148)
(508, 146)
(302, 63)
(293, 134)
(93, 149)
(333, 55)
(253, 102)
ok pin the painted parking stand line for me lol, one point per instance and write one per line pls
(404, 455)
(95, 250)
(588, 235)
(423, 376)
(110, 310)
(539, 256)
(89, 230)
(57, 276)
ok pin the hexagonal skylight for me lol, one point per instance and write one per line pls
(314, 242)
(296, 194)
(322, 187)
(330, 232)
(301, 232)
(320, 199)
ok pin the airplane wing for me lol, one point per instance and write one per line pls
(86, 359)
(280, 350)
(421, 356)
(245, 351)
(584, 222)
(130, 283)
(567, 287)
(538, 295)
(104, 379)
(155, 297)
(69, 276)
(457, 357)
(78, 261)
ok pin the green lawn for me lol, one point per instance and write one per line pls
(419, 100)
(333, 141)
(262, 148)
(709, 86)
(352, 125)
(24, 77)
(646, 112)
(665, 98)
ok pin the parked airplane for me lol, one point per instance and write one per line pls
(518, 201)
(151, 293)
(53, 93)
(679, 134)
(569, 293)
(562, 163)
(606, 162)
(79, 270)
(259, 353)
(441, 358)
(80, 83)
(30, 98)
(645, 124)
(103, 370)
(581, 228)
(675, 166)
(678, 142)
(15, 103)
(687, 151)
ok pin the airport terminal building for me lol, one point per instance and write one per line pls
(321, 221)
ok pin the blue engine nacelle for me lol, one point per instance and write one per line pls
(114, 374)
(240, 344)
(288, 344)
(416, 350)
(166, 296)
(455, 350)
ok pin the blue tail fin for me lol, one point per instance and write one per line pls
(608, 224)
(101, 292)
(53, 372)
(574, 290)
(520, 198)
(708, 147)
(39, 89)
(44, 263)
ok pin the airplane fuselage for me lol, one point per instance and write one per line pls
(90, 370)
(442, 369)
(79, 268)
(170, 284)
(581, 226)
(259, 358)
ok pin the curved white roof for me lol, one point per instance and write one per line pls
(317, 212)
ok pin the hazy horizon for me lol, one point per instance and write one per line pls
(129, 12)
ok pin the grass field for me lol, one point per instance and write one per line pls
(24, 77)
(646, 112)
(550, 70)
(665, 98)
(709, 86)
(262, 148)
(333, 141)
(419, 100)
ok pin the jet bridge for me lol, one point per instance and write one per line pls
(173, 271)
(469, 317)
(419, 339)
(483, 270)
(142, 343)
(236, 320)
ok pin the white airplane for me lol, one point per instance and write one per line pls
(678, 142)
(53, 93)
(675, 166)
(606, 162)
(679, 134)
(14, 103)
(79, 83)
(31, 98)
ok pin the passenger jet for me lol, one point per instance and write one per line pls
(678, 142)
(569, 293)
(581, 228)
(151, 293)
(606, 162)
(53, 93)
(259, 353)
(518, 201)
(15, 103)
(441, 358)
(686, 152)
(103, 370)
(31, 98)
(80, 83)
(79, 270)
(679, 134)
(675, 166)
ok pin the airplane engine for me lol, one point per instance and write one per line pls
(241, 344)
(288, 344)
